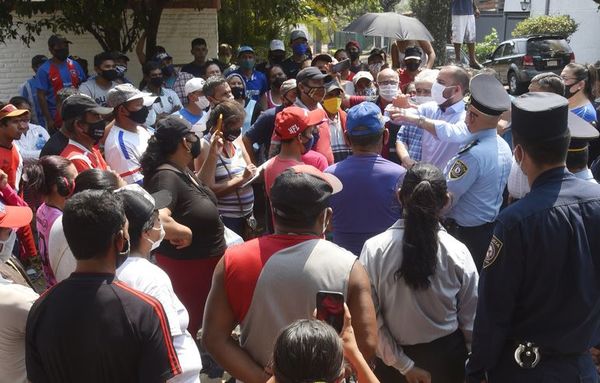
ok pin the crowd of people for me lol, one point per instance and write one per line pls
(187, 224)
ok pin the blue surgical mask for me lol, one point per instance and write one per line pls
(309, 144)
(300, 49)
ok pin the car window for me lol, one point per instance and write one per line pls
(498, 51)
(521, 46)
(509, 49)
(539, 46)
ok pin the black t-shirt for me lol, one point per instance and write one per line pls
(193, 68)
(91, 328)
(291, 67)
(192, 205)
(55, 145)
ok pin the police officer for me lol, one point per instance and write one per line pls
(477, 175)
(539, 291)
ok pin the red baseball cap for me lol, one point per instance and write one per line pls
(14, 216)
(293, 120)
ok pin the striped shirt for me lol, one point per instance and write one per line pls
(229, 204)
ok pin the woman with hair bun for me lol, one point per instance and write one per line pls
(53, 178)
(424, 285)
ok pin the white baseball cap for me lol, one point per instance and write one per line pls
(362, 74)
(276, 45)
(193, 85)
(123, 93)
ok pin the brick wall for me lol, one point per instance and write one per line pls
(177, 28)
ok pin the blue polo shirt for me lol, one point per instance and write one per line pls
(44, 83)
(367, 205)
(256, 84)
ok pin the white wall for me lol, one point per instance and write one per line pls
(177, 28)
(585, 41)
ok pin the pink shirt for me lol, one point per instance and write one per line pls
(279, 165)
(45, 217)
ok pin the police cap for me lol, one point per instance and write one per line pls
(582, 133)
(488, 95)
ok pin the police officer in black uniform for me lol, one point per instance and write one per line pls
(538, 312)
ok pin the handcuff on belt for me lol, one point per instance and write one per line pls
(527, 355)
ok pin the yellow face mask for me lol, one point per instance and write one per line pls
(332, 105)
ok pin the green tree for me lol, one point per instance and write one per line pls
(388, 5)
(487, 47)
(115, 24)
(562, 25)
(435, 15)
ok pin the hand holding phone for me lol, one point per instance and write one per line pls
(330, 309)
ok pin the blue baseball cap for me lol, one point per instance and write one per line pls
(365, 119)
(245, 49)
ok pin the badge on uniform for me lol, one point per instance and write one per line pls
(493, 251)
(458, 170)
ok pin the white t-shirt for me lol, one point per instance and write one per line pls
(31, 143)
(123, 150)
(142, 275)
(167, 103)
(61, 258)
(91, 88)
(15, 302)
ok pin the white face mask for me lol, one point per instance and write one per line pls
(388, 92)
(423, 99)
(202, 102)
(156, 244)
(437, 93)
(7, 246)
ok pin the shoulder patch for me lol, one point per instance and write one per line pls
(492, 252)
(457, 170)
(468, 146)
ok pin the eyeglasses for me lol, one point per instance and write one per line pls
(388, 82)
(569, 78)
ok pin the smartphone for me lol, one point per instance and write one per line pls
(342, 65)
(219, 126)
(330, 309)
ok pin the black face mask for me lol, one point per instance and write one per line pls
(168, 70)
(110, 74)
(354, 55)
(238, 93)
(278, 81)
(96, 130)
(122, 255)
(156, 81)
(412, 66)
(568, 93)
(195, 148)
(233, 134)
(139, 116)
(61, 54)
(276, 59)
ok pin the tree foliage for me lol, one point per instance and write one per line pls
(562, 25)
(115, 24)
(388, 5)
(487, 47)
(435, 15)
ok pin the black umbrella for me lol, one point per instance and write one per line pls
(390, 24)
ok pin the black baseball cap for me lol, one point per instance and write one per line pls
(78, 104)
(172, 127)
(412, 53)
(312, 73)
(139, 205)
(55, 39)
(302, 191)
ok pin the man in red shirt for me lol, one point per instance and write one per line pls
(13, 123)
(294, 126)
(267, 283)
(84, 120)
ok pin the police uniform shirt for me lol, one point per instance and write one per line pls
(91, 328)
(539, 281)
(476, 178)
(586, 175)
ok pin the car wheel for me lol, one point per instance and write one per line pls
(514, 86)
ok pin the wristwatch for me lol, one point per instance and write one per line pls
(420, 121)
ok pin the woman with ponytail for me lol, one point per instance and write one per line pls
(579, 89)
(424, 285)
(53, 179)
